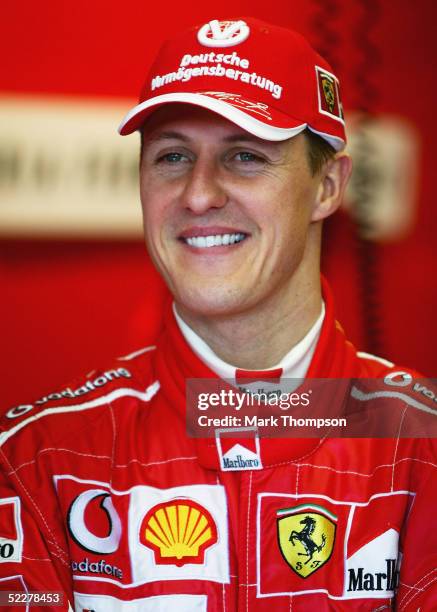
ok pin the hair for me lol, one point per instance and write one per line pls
(319, 150)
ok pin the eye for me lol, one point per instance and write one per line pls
(172, 158)
(248, 157)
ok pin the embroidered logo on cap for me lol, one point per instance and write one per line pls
(328, 94)
(237, 100)
(223, 33)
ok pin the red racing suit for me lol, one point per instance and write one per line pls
(105, 498)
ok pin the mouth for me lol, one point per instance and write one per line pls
(212, 237)
(214, 240)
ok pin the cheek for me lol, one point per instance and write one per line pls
(152, 223)
(158, 200)
(290, 211)
(297, 202)
(153, 199)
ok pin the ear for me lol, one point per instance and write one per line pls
(333, 180)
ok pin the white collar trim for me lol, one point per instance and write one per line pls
(294, 364)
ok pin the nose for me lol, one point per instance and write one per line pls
(203, 189)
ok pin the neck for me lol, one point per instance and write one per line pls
(259, 338)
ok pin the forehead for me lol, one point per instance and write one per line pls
(190, 122)
(186, 116)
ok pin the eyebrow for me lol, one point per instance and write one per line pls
(168, 136)
(244, 138)
(173, 135)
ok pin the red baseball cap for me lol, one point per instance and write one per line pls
(266, 79)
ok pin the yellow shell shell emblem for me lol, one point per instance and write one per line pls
(178, 531)
(306, 536)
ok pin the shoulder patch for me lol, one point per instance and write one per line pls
(390, 397)
(86, 387)
(98, 388)
(92, 382)
(145, 396)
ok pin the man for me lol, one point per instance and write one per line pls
(106, 498)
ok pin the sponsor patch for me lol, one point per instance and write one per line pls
(90, 385)
(238, 456)
(99, 508)
(223, 33)
(96, 567)
(398, 379)
(328, 94)
(326, 545)
(11, 531)
(179, 532)
(145, 534)
(206, 505)
(405, 379)
(368, 570)
(306, 535)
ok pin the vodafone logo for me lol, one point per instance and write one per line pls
(82, 517)
(223, 33)
(398, 379)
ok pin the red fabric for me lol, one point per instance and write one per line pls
(260, 375)
(120, 435)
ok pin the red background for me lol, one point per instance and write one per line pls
(68, 306)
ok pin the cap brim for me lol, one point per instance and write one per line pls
(273, 126)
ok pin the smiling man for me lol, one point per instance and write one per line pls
(107, 499)
(233, 223)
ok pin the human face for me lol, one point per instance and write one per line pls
(205, 181)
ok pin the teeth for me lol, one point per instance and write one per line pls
(200, 242)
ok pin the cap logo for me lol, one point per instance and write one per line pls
(257, 108)
(328, 94)
(223, 33)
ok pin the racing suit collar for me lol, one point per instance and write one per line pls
(294, 365)
(176, 362)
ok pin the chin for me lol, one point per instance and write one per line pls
(210, 301)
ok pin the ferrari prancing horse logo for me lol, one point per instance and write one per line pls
(306, 535)
(328, 91)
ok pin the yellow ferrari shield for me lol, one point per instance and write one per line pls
(306, 535)
(329, 92)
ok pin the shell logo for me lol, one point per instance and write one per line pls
(178, 531)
